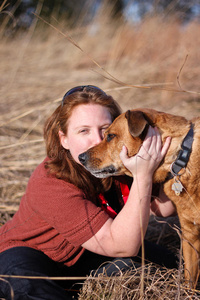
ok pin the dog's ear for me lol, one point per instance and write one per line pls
(136, 122)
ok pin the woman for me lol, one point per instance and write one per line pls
(70, 222)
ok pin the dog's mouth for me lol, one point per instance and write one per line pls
(103, 173)
(93, 166)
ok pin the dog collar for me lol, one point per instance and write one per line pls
(184, 153)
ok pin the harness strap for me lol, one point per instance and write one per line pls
(184, 153)
(105, 205)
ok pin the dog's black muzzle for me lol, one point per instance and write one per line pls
(83, 158)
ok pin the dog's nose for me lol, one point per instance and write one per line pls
(83, 157)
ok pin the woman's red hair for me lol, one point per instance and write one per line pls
(60, 161)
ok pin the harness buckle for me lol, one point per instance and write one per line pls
(183, 157)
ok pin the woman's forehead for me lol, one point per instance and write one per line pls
(89, 112)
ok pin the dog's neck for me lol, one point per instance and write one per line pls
(172, 169)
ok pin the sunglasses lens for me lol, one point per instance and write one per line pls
(80, 89)
(75, 89)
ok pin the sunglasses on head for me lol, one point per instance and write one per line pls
(80, 88)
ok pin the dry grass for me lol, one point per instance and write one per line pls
(39, 66)
(158, 284)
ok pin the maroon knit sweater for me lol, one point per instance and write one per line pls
(54, 217)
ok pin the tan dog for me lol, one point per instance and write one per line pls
(130, 129)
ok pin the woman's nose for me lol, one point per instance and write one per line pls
(98, 138)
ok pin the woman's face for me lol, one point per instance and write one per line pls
(86, 128)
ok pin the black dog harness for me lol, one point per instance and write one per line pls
(184, 154)
(181, 162)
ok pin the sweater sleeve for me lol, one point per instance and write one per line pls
(65, 208)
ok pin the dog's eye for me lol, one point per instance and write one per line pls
(110, 136)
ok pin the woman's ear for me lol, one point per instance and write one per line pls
(63, 140)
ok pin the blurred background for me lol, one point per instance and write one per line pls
(143, 53)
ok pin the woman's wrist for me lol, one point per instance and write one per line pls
(142, 186)
(143, 178)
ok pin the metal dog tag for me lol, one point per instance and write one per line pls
(177, 187)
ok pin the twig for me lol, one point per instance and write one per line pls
(179, 73)
(43, 277)
(22, 143)
(3, 5)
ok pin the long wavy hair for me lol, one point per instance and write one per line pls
(60, 162)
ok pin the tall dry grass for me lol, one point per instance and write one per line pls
(141, 65)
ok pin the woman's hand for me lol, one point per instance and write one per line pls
(150, 155)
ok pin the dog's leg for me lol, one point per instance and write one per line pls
(191, 250)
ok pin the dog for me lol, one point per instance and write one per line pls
(179, 172)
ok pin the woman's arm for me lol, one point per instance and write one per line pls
(123, 236)
(162, 206)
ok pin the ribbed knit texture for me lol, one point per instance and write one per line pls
(55, 217)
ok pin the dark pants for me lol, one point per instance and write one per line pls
(25, 261)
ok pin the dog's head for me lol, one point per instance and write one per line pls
(128, 129)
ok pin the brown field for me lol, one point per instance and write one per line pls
(154, 64)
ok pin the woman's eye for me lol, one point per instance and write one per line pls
(110, 136)
(84, 131)
(103, 130)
